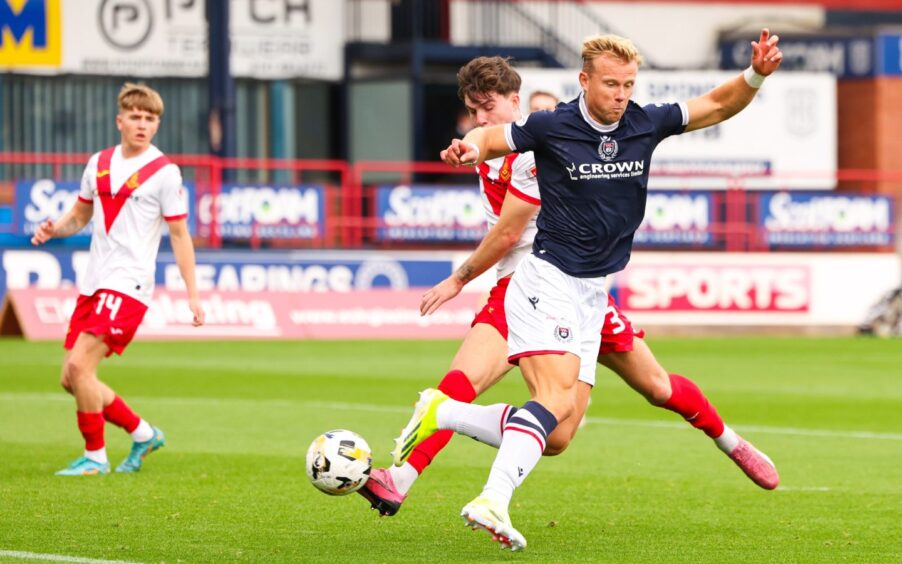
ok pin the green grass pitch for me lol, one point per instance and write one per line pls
(636, 485)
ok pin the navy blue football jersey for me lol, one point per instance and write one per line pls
(593, 180)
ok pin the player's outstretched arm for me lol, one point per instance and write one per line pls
(501, 238)
(183, 249)
(731, 97)
(479, 145)
(70, 223)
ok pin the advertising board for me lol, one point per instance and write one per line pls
(795, 114)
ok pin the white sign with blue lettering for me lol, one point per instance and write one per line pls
(785, 139)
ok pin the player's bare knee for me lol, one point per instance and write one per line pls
(556, 446)
(559, 403)
(657, 395)
(64, 382)
(481, 380)
(563, 410)
(75, 373)
(658, 391)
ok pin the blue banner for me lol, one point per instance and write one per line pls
(251, 271)
(38, 200)
(677, 219)
(889, 58)
(845, 57)
(429, 214)
(279, 211)
(826, 220)
(6, 219)
(308, 271)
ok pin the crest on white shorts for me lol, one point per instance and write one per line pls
(563, 334)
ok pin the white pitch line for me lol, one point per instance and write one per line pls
(753, 429)
(57, 557)
(821, 432)
(369, 407)
(803, 489)
(214, 402)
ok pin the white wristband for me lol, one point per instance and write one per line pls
(752, 78)
(476, 147)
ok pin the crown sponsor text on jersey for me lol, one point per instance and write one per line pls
(591, 171)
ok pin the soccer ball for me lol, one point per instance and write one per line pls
(339, 462)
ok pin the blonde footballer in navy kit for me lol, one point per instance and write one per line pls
(489, 87)
(593, 155)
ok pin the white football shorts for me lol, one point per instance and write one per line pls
(549, 311)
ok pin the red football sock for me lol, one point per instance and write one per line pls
(120, 414)
(689, 401)
(91, 427)
(456, 386)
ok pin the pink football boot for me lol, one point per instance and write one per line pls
(380, 491)
(755, 464)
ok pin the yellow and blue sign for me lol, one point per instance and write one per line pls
(30, 33)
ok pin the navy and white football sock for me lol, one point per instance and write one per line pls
(522, 445)
(485, 423)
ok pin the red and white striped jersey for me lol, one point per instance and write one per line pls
(514, 173)
(131, 198)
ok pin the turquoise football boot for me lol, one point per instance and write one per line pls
(84, 466)
(139, 452)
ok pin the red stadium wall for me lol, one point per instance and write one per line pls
(869, 113)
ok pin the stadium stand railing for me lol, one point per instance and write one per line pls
(355, 203)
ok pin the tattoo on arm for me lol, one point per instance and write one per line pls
(465, 272)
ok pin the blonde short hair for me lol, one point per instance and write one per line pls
(140, 96)
(619, 47)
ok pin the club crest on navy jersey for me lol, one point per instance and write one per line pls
(607, 149)
(589, 168)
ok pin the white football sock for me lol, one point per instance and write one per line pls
(480, 422)
(522, 445)
(403, 476)
(143, 432)
(728, 440)
(98, 455)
